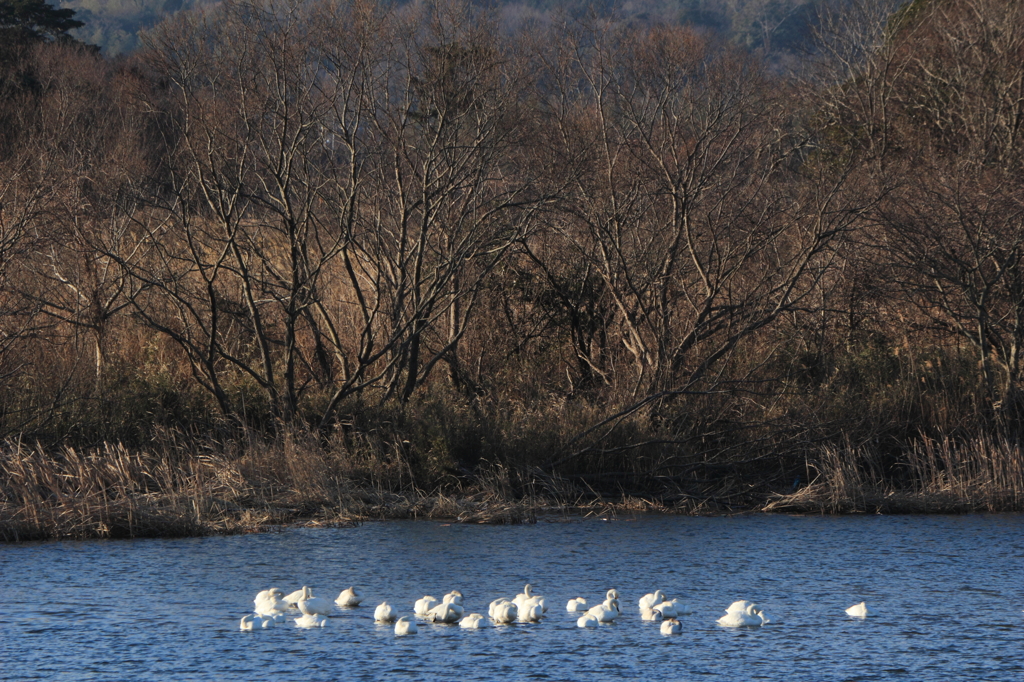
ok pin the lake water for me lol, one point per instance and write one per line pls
(948, 592)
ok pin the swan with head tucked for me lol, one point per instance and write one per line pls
(750, 616)
(311, 620)
(473, 621)
(605, 612)
(349, 597)
(587, 620)
(651, 614)
(671, 626)
(503, 611)
(445, 612)
(859, 610)
(531, 611)
(422, 606)
(681, 608)
(270, 603)
(385, 613)
(406, 626)
(255, 623)
(576, 605)
(649, 601)
(666, 609)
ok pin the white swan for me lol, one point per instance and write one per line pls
(349, 597)
(473, 621)
(587, 620)
(270, 603)
(255, 623)
(406, 626)
(531, 611)
(445, 612)
(607, 611)
(649, 601)
(735, 618)
(527, 596)
(651, 614)
(293, 598)
(671, 627)
(311, 620)
(576, 605)
(739, 606)
(385, 613)
(681, 608)
(666, 609)
(454, 597)
(423, 606)
(504, 611)
(311, 605)
(858, 610)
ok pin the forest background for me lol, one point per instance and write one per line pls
(340, 259)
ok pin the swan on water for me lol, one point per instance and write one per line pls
(255, 623)
(858, 610)
(666, 609)
(531, 611)
(473, 620)
(311, 620)
(671, 626)
(445, 612)
(270, 603)
(587, 620)
(577, 604)
(406, 626)
(423, 606)
(503, 611)
(735, 617)
(293, 598)
(606, 611)
(454, 597)
(385, 613)
(651, 614)
(649, 601)
(527, 596)
(313, 605)
(348, 597)
(681, 608)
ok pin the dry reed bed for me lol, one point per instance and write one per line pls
(111, 492)
(980, 475)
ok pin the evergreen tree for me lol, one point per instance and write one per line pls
(26, 21)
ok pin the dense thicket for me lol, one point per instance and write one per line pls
(615, 257)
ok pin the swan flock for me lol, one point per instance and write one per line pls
(272, 607)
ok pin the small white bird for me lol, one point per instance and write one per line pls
(859, 610)
(422, 606)
(671, 627)
(311, 620)
(349, 597)
(473, 621)
(576, 605)
(406, 626)
(587, 620)
(385, 613)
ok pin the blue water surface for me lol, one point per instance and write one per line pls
(947, 590)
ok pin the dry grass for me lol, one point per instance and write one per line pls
(980, 475)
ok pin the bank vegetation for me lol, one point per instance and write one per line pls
(337, 260)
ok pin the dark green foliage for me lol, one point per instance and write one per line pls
(35, 20)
